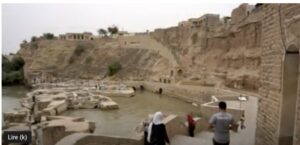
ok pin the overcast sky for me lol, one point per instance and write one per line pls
(22, 21)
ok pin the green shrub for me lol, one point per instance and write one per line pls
(79, 50)
(14, 77)
(24, 41)
(34, 45)
(12, 71)
(88, 60)
(18, 63)
(33, 39)
(6, 65)
(113, 68)
(72, 59)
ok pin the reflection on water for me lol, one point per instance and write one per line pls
(11, 97)
(132, 110)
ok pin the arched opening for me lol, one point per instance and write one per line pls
(160, 91)
(171, 73)
(179, 72)
(289, 96)
(142, 87)
(133, 88)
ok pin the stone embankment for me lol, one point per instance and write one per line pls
(53, 99)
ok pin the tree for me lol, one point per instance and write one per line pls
(6, 65)
(33, 39)
(102, 32)
(12, 71)
(18, 62)
(48, 36)
(113, 29)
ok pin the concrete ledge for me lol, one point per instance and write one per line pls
(210, 108)
(91, 139)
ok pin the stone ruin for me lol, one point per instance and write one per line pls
(54, 101)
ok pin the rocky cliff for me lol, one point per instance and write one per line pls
(209, 50)
(58, 58)
(218, 51)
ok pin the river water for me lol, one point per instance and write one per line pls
(121, 122)
(11, 97)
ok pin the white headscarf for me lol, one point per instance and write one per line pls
(157, 119)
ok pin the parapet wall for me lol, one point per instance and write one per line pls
(185, 93)
(174, 125)
(210, 108)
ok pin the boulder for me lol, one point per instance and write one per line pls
(108, 105)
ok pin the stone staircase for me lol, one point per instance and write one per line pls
(185, 140)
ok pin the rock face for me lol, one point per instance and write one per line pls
(216, 51)
(220, 51)
(53, 58)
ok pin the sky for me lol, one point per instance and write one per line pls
(22, 21)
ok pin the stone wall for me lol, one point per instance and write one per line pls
(185, 93)
(210, 108)
(275, 40)
(175, 125)
(227, 52)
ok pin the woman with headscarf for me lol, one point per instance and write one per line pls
(157, 133)
(191, 125)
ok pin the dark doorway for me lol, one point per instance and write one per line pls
(171, 73)
(160, 91)
(142, 87)
(289, 96)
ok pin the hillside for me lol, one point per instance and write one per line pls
(209, 50)
(58, 58)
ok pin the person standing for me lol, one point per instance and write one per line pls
(191, 125)
(222, 122)
(157, 133)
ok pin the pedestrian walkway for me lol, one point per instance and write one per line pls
(185, 140)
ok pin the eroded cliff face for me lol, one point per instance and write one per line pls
(208, 50)
(57, 58)
(217, 52)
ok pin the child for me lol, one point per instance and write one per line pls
(243, 122)
(191, 125)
